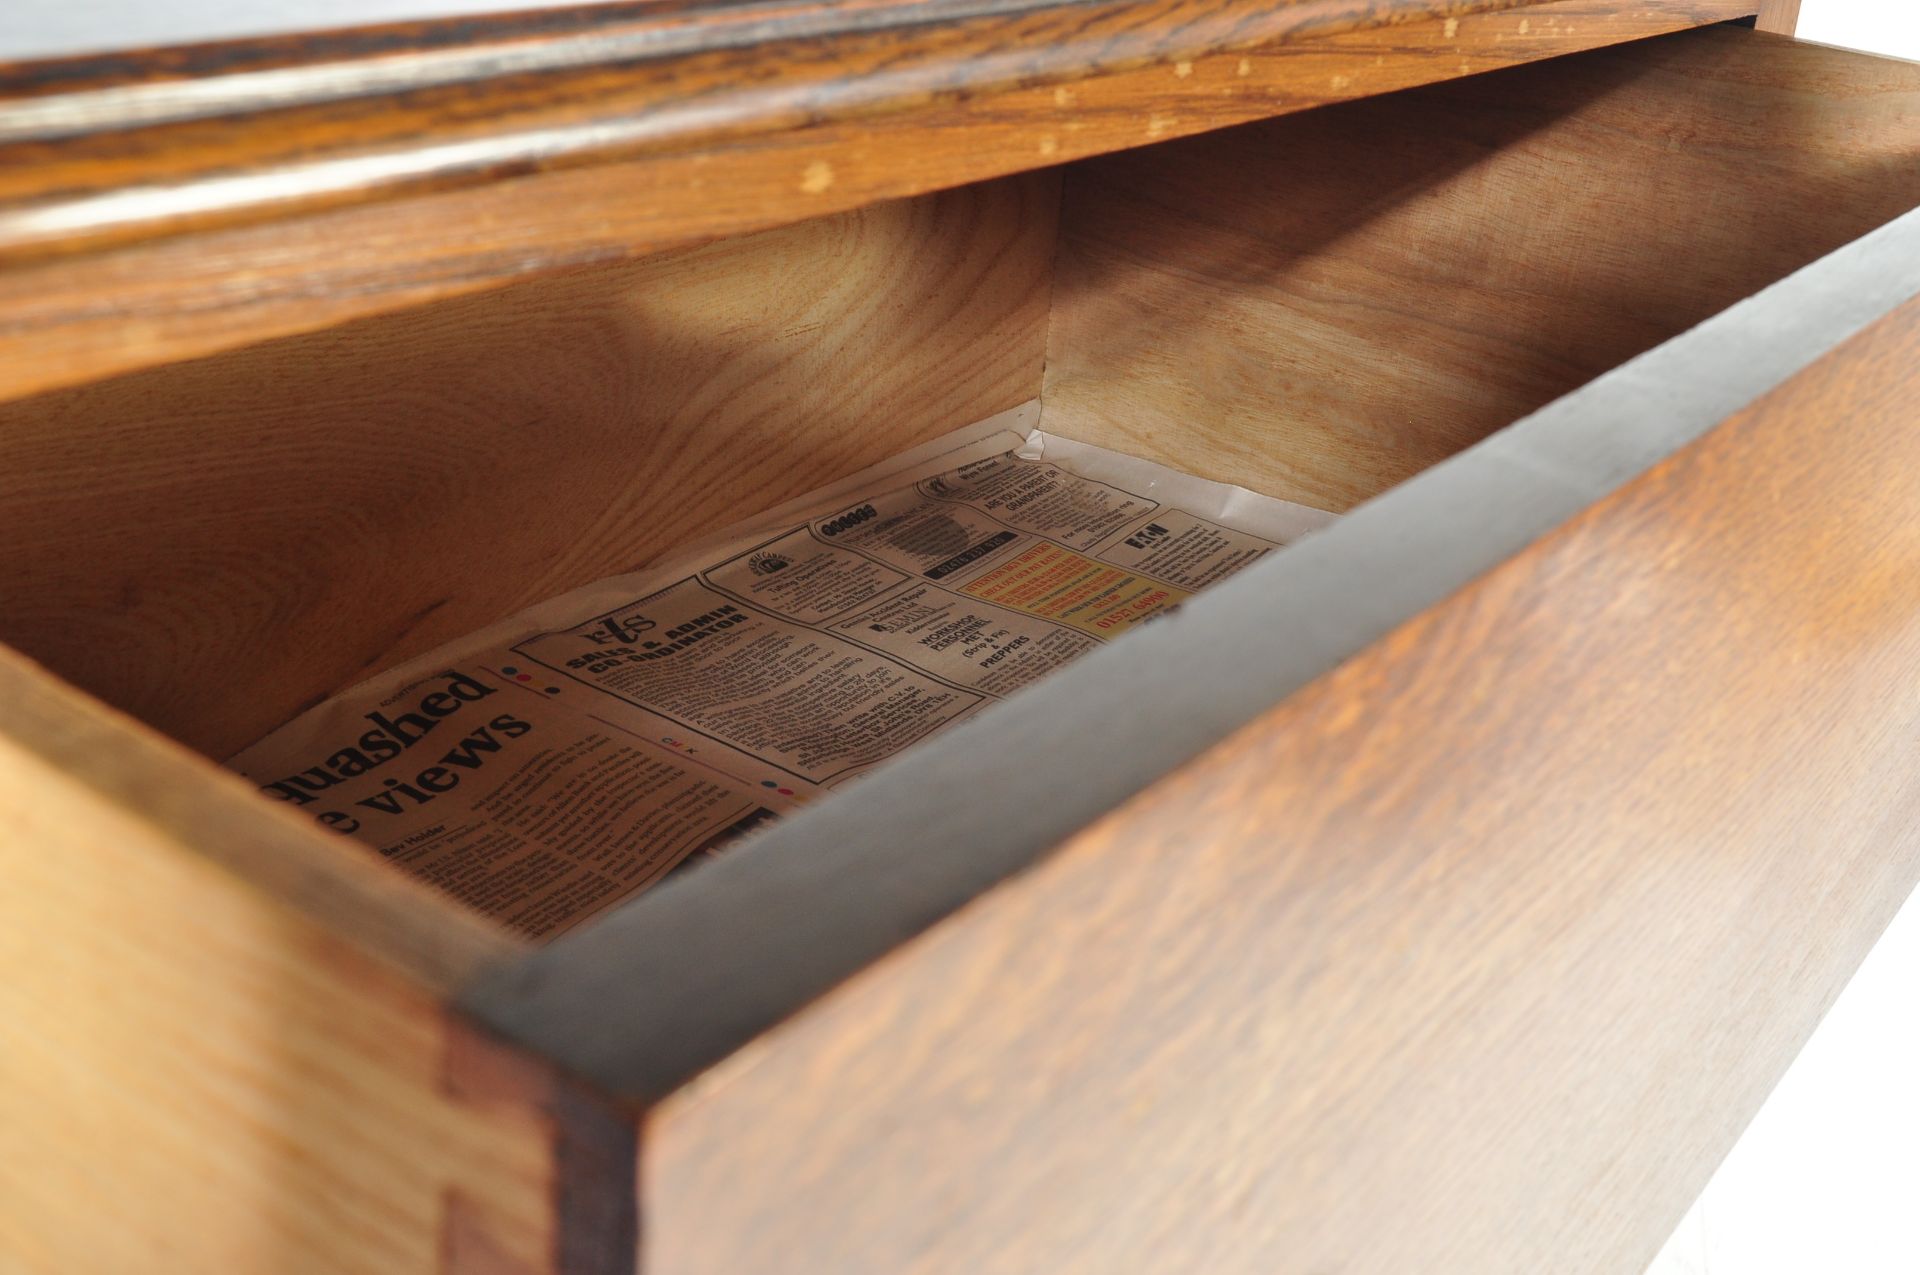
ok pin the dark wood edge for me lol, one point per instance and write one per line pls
(665, 987)
(594, 1188)
(124, 153)
(597, 1195)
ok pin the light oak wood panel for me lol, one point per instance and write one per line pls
(1779, 16)
(215, 545)
(223, 1045)
(1321, 306)
(1473, 955)
(73, 320)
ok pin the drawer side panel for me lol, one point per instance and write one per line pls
(1476, 954)
(200, 1074)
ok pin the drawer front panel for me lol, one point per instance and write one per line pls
(1474, 955)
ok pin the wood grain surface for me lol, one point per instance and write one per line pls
(759, 933)
(215, 545)
(784, 159)
(1474, 955)
(102, 158)
(1779, 16)
(1323, 305)
(224, 1047)
(129, 39)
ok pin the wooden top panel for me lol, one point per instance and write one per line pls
(40, 30)
(126, 146)
(72, 318)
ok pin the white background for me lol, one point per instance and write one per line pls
(1882, 26)
(1827, 1177)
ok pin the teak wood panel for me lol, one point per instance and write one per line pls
(71, 320)
(1324, 305)
(224, 1047)
(213, 546)
(1473, 955)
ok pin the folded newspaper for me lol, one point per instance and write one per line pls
(554, 764)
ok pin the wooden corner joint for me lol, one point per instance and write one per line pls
(591, 1201)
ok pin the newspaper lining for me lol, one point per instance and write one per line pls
(556, 763)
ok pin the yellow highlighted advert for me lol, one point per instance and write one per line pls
(1069, 588)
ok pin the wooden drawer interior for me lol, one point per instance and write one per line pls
(1318, 307)
(1390, 947)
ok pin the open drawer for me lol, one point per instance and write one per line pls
(1441, 893)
